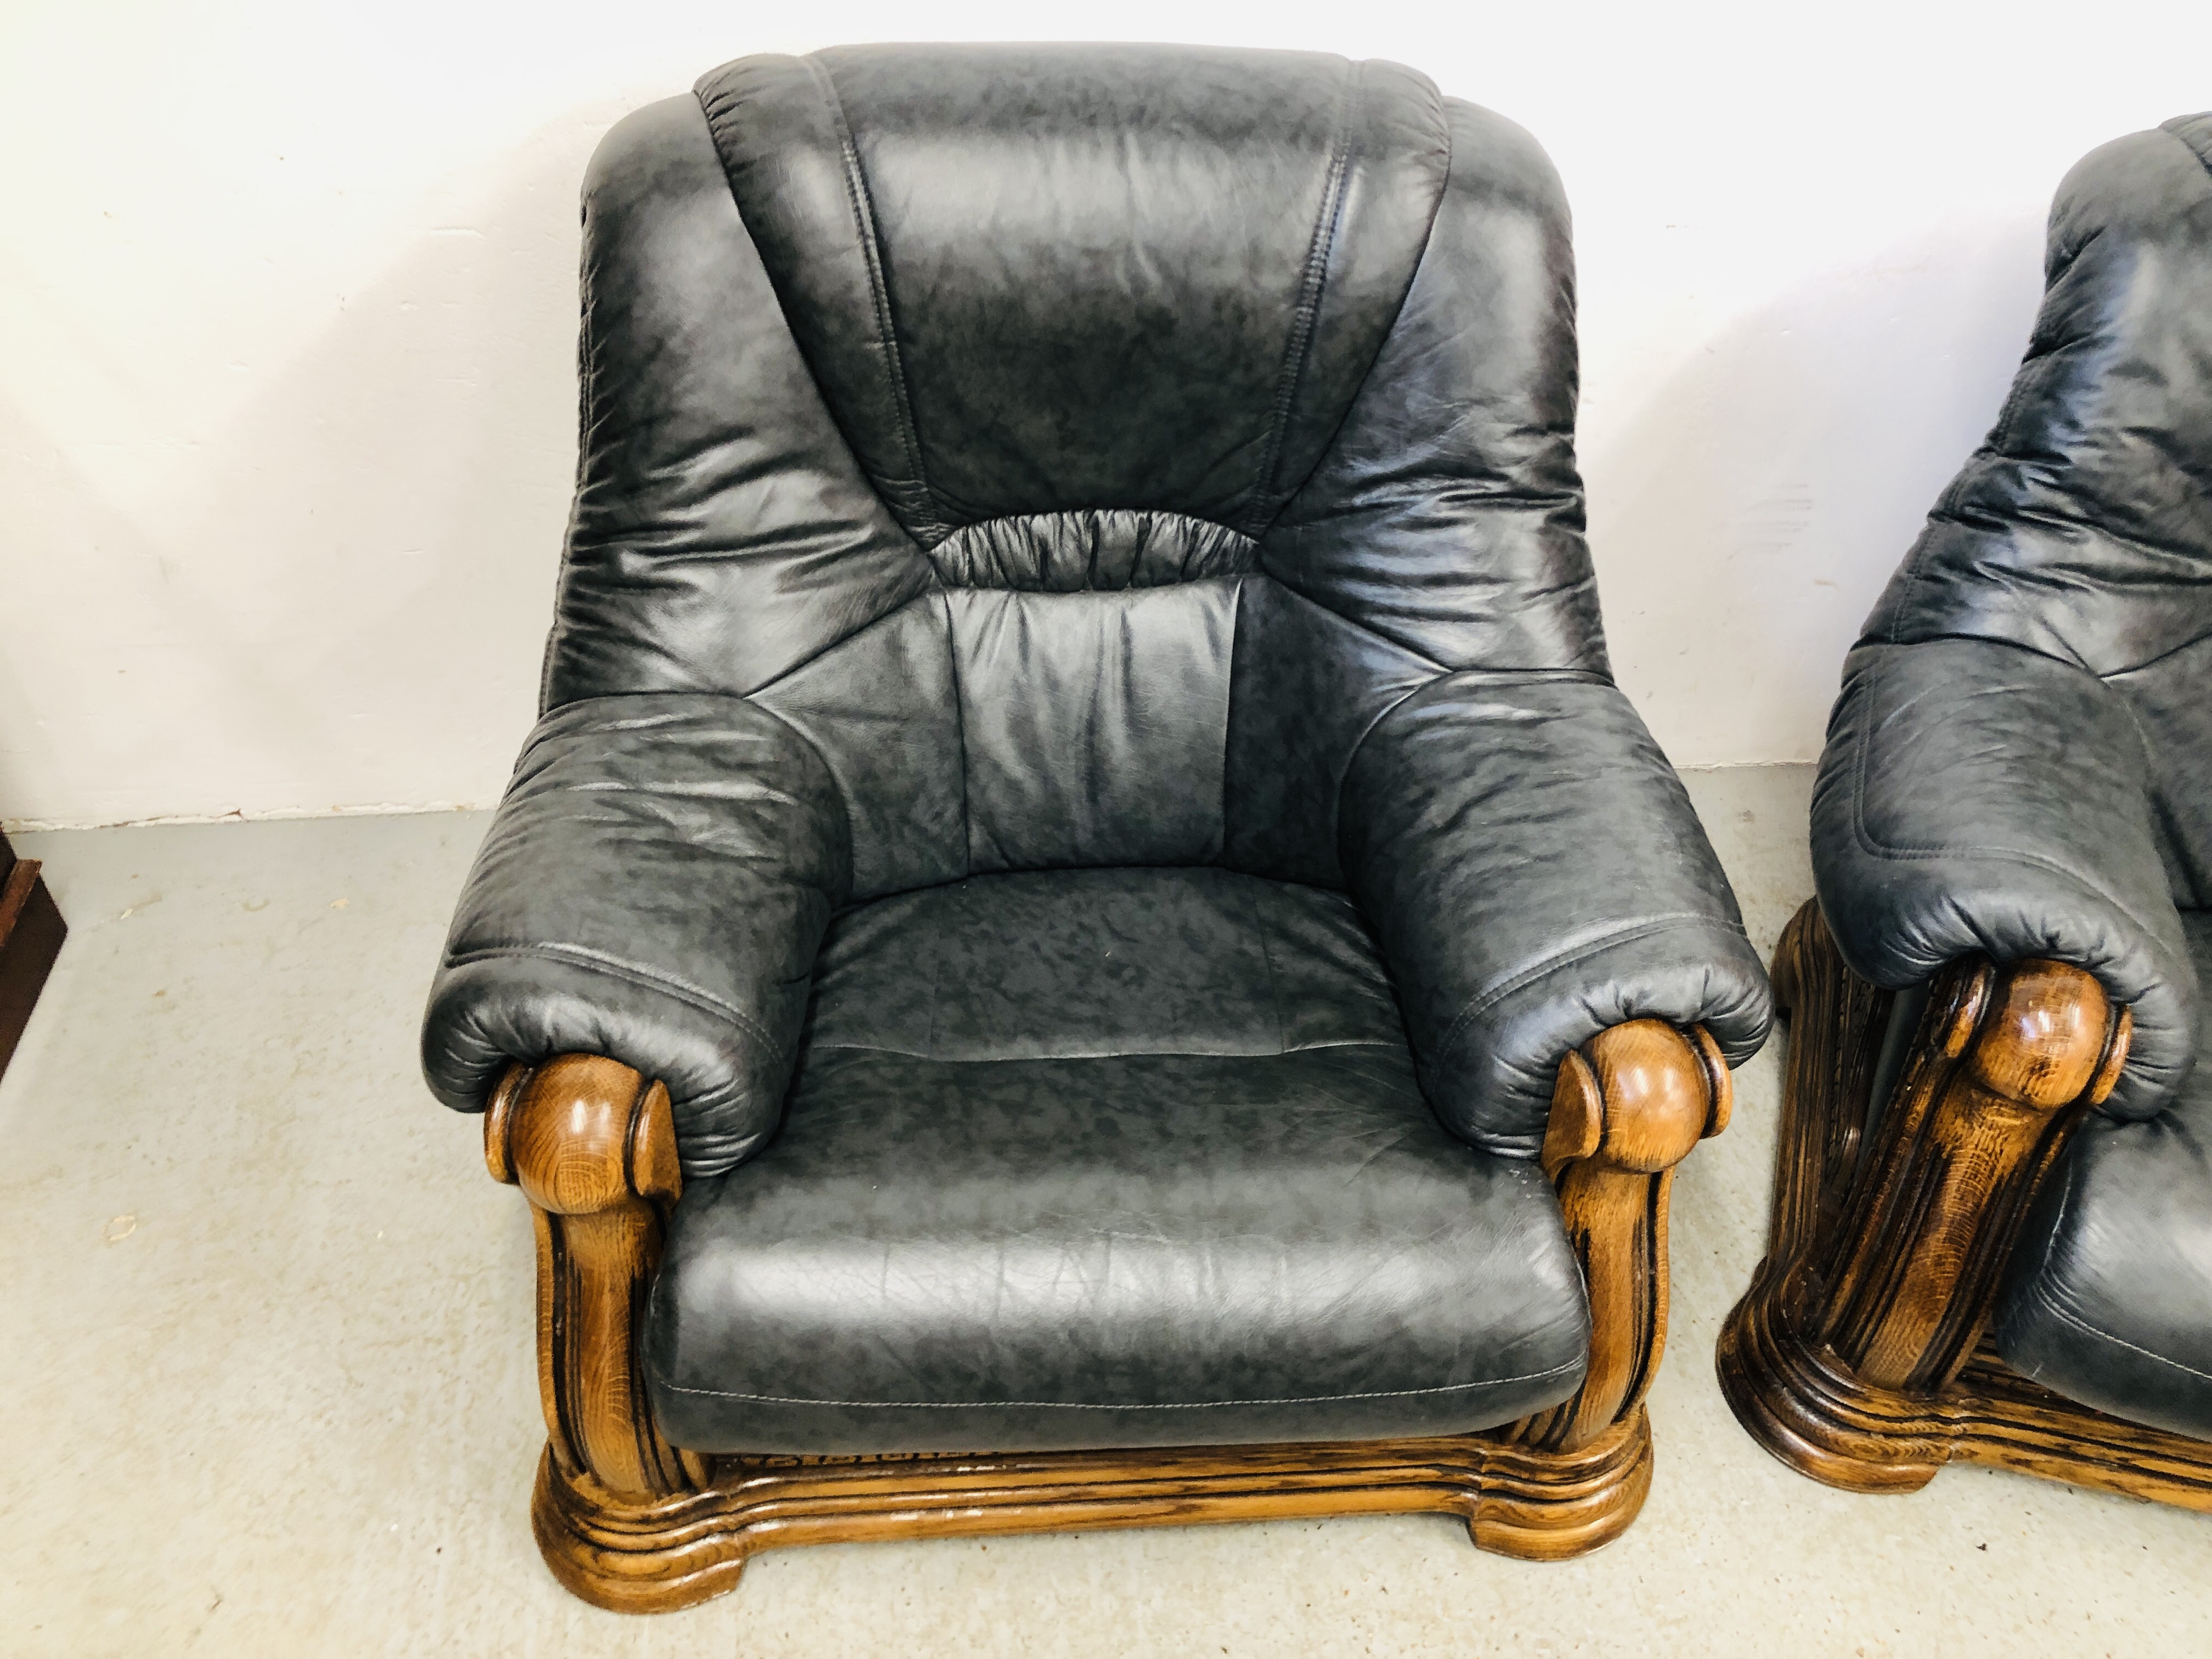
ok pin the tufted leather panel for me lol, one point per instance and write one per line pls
(2016, 763)
(2109, 1298)
(1109, 1157)
(1071, 457)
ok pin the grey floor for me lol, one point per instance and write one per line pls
(269, 1389)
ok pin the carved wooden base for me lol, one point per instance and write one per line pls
(630, 1523)
(657, 1554)
(1814, 1416)
(1848, 1268)
(31, 934)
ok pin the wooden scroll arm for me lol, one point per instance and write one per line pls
(592, 1145)
(1628, 1106)
(2006, 1063)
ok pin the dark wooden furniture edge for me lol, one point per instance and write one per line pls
(31, 934)
(628, 1522)
(1858, 1356)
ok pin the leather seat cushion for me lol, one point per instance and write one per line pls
(2109, 1297)
(1109, 1157)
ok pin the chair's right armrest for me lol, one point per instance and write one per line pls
(1980, 799)
(654, 889)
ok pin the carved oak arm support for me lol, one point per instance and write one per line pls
(1627, 1107)
(1897, 1207)
(2005, 1064)
(593, 1148)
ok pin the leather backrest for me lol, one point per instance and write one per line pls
(2082, 526)
(1082, 447)
(995, 257)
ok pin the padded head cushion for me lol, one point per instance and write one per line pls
(1033, 279)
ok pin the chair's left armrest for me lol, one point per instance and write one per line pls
(1535, 874)
(654, 889)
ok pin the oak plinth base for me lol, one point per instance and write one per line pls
(659, 1554)
(1858, 1357)
(630, 1523)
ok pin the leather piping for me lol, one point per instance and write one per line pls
(872, 252)
(939, 593)
(1299, 346)
(1133, 1405)
(2052, 1306)
(1521, 977)
(578, 956)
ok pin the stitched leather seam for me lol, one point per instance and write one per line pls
(1299, 346)
(1229, 708)
(1267, 961)
(1087, 1406)
(958, 898)
(1352, 758)
(836, 784)
(960, 727)
(2051, 1306)
(1101, 1053)
(2202, 157)
(1382, 344)
(2152, 662)
(864, 221)
(1498, 990)
(616, 967)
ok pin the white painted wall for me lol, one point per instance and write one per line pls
(287, 324)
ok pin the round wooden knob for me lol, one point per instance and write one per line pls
(1659, 1100)
(2042, 1040)
(582, 1134)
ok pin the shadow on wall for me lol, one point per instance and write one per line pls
(368, 548)
(1791, 461)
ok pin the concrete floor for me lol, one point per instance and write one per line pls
(269, 1385)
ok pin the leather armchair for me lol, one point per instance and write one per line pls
(1086, 938)
(1993, 1228)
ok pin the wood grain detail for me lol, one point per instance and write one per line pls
(1627, 1107)
(653, 1556)
(1858, 1355)
(628, 1522)
(593, 1148)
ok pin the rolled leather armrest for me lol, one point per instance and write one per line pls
(1980, 797)
(1535, 874)
(654, 889)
